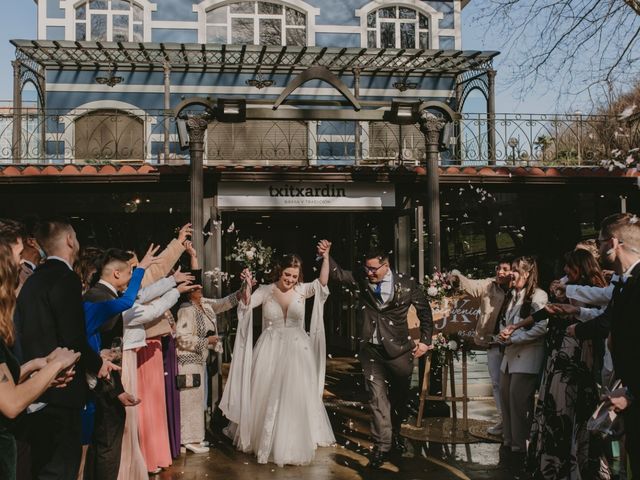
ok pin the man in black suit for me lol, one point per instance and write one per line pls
(48, 315)
(386, 348)
(619, 244)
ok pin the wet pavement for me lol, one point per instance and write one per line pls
(345, 400)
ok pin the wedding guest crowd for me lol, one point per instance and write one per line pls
(578, 353)
(90, 323)
(102, 350)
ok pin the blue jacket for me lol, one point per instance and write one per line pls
(96, 314)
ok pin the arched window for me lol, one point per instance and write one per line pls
(109, 20)
(108, 134)
(397, 27)
(258, 23)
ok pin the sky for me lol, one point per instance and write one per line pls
(20, 22)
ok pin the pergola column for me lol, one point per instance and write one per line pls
(196, 127)
(431, 126)
(167, 111)
(16, 146)
(491, 115)
(357, 134)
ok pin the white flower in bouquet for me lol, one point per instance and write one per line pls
(250, 254)
(452, 345)
(432, 291)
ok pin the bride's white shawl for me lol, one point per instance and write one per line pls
(236, 398)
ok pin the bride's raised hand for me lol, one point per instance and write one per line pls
(244, 294)
(247, 277)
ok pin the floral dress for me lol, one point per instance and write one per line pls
(560, 445)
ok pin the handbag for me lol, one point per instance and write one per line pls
(188, 380)
(606, 422)
(160, 327)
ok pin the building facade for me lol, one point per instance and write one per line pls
(310, 132)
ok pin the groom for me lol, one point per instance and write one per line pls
(386, 348)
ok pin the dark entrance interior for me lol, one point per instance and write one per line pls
(352, 234)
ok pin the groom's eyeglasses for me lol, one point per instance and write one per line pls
(373, 269)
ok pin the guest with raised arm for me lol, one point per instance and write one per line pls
(103, 314)
(196, 335)
(619, 242)
(493, 295)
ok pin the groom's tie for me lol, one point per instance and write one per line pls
(377, 292)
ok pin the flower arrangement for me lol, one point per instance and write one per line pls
(453, 344)
(252, 254)
(437, 288)
(444, 344)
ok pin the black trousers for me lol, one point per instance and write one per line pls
(103, 457)
(387, 381)
(54, 435)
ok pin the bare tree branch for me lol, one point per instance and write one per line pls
(575, 44)
(634, 5)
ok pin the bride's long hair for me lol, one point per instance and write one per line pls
(9, 279)
(290, 260)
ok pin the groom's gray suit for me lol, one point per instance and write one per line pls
(387, 359)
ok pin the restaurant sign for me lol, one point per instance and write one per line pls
(305, 196)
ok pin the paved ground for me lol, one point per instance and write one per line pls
(348, 459)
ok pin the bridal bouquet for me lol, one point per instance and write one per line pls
(253, 254)
(217, 277)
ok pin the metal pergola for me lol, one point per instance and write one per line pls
(246, 58)
(325, 63)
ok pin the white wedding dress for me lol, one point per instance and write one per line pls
(273, 395)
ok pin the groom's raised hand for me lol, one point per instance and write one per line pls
(323, 248)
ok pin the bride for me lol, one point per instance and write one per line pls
(273, 395)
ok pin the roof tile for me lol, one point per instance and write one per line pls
(107, 170)
(89, 170)
(50, 170)
(31, 170)
(70, 170)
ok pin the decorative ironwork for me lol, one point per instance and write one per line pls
(468, 82)
(197, 127)
(84, 136)
(111, 79)
(31, 71)
(431, 125)
(260, 82)
(404, 85)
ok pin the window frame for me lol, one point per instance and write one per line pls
(256, 16)
(433, 17)
(310, 11)
(110, 13)
(397, 21)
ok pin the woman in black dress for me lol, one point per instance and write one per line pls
(21, 386)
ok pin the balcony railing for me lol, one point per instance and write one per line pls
(105, 136)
